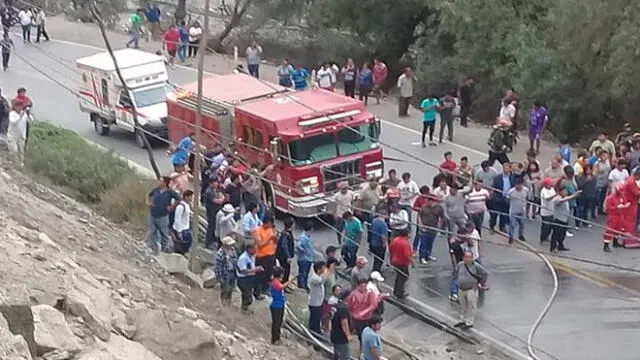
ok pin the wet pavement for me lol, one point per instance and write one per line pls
(596, 312)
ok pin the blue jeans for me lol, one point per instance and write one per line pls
(426, 243)
(135, 39)
(453, 286)
(304, 267)
(182, 50)
(159, 229)
(513, 220)
(586, 208)
(254, 70)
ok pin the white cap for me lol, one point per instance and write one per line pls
(376, 276)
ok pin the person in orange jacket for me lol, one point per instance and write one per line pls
(616, 205)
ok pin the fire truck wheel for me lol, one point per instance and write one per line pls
(100, 126)
(140, 139)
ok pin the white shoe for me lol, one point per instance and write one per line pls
(453, 297)
(423, 261)
(569, 234)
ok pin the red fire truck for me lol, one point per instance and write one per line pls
(316, 138)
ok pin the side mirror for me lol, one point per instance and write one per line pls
(274, 144)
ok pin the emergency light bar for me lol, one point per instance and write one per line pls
(324, 119)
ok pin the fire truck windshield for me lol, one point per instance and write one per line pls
(151, 96)
(327, 146)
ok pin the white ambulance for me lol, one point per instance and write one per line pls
(101, 93)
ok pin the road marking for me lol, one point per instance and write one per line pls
(416, 143)
(595, 278)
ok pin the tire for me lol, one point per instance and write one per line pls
(100, 126)
(140, 139)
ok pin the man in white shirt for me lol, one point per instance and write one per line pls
(17, 131)
(507, 111)
(343, 200)
(618, 175)
(408, 191)
(476, 205)
(326, 77)
(398, 219)
(182, 224)
(26, 18)
(547, 194)
(405, 85)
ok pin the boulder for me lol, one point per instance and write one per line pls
(188, 313)
(91, 300)
(185, 337)
(12, 347)
(207, 256)
(173, 263)
(118, 348)
(51, 331)
(209, 278)
(122, 327)
(19, 321)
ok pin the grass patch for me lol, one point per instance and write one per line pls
(88, 173)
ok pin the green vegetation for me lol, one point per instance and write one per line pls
(88, 173)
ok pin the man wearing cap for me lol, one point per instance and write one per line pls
(359, 269)
(213, 202)
(343, 200)
(225, 222)
(225, 270)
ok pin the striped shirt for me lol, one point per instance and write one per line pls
(477, 201)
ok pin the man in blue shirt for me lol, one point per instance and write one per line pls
(371, 342)
(184, 40)
(153, 14)
(300, 78)
(246, 274)
(250, 221)
(429, 107)
(379, 233)
(161, 201)
(306, 255)
(181, 154)
(352, 236)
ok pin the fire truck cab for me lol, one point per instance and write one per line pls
(316, 138)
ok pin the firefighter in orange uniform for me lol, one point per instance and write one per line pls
(616, 205)
(631, 192)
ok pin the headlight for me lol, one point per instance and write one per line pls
(309, 185)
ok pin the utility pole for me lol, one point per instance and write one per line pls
(198, 134)
(147, 145)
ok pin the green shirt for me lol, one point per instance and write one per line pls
(430, 115)
(136, 22)
(352, 231)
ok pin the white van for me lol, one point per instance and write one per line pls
(102, 96)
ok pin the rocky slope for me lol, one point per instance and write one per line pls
(75, 286)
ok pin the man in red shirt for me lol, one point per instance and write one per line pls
(401, 259)
(170, 43)
(448, 165)
(380, 73)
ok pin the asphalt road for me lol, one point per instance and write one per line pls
(591, 319)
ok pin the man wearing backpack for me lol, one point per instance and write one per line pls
(469, 276)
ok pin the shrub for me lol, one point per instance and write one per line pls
(88, 173)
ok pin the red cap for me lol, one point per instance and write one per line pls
(548, 182)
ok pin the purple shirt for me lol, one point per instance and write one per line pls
(537, 119)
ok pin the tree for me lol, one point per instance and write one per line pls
(233, 14)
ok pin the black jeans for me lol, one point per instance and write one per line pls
(210, 237)
(464, 113)
(364, 94)
(448, 122)
(350, 89)
(403, 106)
(42, 31)
(378, 253)
(431, 125)
(286, 266)
(263, 278)
(315, 320)
(277, 316)
(402, 275)
(546, 227)
(501, 156)
(559, 234)
(193, 48)
(499, 209)
(247, 286)
(5, 59)
(586, 208)
(478, 221)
